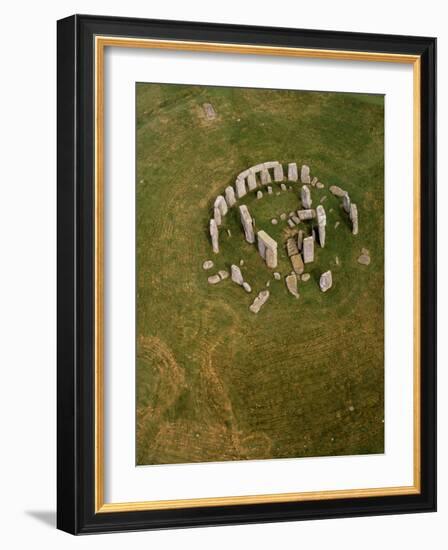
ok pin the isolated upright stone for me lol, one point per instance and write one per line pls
(220, 202)
(278, 173)
(305, 174)
(269, 190)
(308, 250)
(321, 223)
(292, 172)
(240, 187)
(305, 196)
(247, 223)
(354, 218)
(217, 215)
(326, 281)
(267, 247)
(251, 180)
(237, 276)
(214, 234)
(259, 301)
(259, 194)
(346, 203)
(265, 176)
(230, 196)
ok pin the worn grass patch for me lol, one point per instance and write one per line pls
(303, 377)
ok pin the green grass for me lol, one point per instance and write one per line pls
(214, 381)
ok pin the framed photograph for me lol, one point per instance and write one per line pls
(246, 274)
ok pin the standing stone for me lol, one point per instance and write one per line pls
(326, 281)
(321, 223)
(346, 203)
(320, 185)
(230, 196)
(305, 196)
(217, 215)
(278, 172)
(220, 203)
(283, 187)
(354, 218)
(214, 279)
(214, 234)
(291, 284)
(300, 240)
(240, 187)
(251, 181)
(208, 264)
(308, 250)
(269, 190)
(267, 247)
(247, 223)
(277, 276)
(259, 194)
(291, 223)
(292, 172)
(305, 174)
(265, 176)
(306, 214)
(237, 276)
(259, 301)
(295, 219)
(297, 264)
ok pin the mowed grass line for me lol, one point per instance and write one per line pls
(303, 377)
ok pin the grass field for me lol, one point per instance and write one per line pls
(303, 377)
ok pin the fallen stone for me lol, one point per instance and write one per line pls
(314, 181)
(241, 262)
(223, 274)
(291, 214)
(259, 301)
(354, 218)
(277, 276)
(295, 219)
(291, 247)
(326, 281)
(365, 251)
(306, 214)
(209, 111)
(268, 283)
(308, 249)
(364, 259)
(305, 196)
(291, 223)
(337, 260)
(208, 264)
(230, 196)
(265, 177)
(269, 190)
(247, 287)
(214, 279)
(283, 216)
(320, 185)
(247, 223)
(306, 277)
(229, 233)
(274, 221)
(336, 225)
(291, 284)
(305, 174)
(237, 276)
(323, 199)
(214, 234)
(259, 194)
(278, 172)
(337, 191)
(321, 223)
(292, 172)
(297, 264)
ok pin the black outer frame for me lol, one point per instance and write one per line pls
(75, 297)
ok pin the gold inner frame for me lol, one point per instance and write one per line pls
(101, 42)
